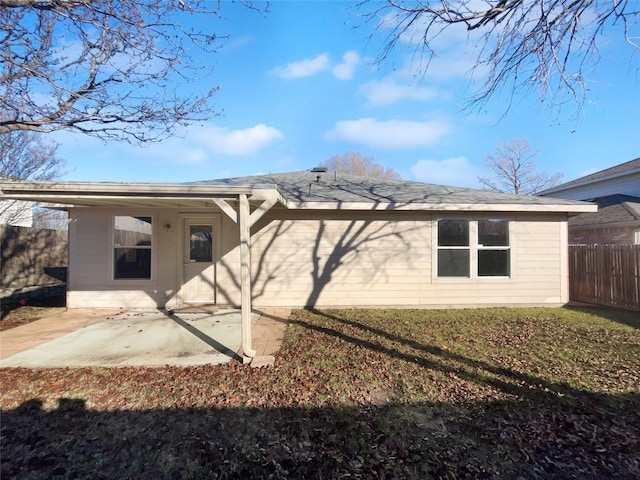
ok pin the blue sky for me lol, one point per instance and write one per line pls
(299, 84)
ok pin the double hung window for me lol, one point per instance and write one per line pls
(453, 248)
(473, 248)
(493, 248)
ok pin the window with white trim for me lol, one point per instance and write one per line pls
(473, 248)
(493, 248)
(453, 248)
(132, 247)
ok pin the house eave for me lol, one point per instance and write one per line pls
(464, 207)
(171, 195)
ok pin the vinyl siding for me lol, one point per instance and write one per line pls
(623, 185)
(90, 257)
(339, 258)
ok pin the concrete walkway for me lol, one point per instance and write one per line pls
(99, 337)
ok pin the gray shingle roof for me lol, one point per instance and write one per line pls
(612, 209)
(309, 186)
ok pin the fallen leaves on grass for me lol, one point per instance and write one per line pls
(354, 394)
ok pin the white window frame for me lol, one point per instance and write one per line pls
(440, 248)
(480, 247)
(112, 247)
(474, 247)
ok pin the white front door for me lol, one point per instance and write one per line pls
(199, 260)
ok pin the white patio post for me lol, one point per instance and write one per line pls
(245, 275)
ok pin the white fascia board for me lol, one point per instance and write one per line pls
(268, 193)
(459, 207)
(130, 189)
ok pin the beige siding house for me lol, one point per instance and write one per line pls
(309, 238)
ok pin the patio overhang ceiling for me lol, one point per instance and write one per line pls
(141, 195)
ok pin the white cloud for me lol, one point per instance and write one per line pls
(303, 68)
(388, 91)
(392, 134)
(454, 171)
(346, 69)
(220, 140)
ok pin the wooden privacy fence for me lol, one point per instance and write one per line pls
(605, 274)
(32, 256)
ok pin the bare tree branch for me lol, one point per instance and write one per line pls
(548, 44)
(114, 69)
(26, 155)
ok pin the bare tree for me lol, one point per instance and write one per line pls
(114, 69)
(356, 164)
(26, 155)
(550, 44)
(514, 170)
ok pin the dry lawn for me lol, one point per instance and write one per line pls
(384, 394)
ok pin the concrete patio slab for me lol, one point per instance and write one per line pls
(150, 338)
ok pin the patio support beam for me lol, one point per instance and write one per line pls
(245, 274)
(226, 208)
(261, 210)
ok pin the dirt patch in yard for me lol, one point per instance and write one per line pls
(27, 311)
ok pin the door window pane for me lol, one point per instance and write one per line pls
(201, 243)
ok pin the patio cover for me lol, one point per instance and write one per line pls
(244, 204)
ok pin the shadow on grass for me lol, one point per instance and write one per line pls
(618, 315)
(550, 438)
(33, 303)
(529, 429)
(503, 379)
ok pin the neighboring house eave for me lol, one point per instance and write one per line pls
(573, 186)
(623, 170)
(630, 223)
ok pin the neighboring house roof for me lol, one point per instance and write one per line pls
(612, 210)
(623, 169)
(307, 189)
(344, 190)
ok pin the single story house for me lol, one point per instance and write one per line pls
(312, 238)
